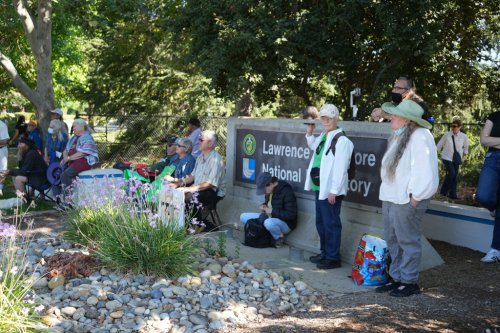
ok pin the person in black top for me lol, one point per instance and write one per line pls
(280, 206)
(489, 180)
(21, 129)
(32, 167)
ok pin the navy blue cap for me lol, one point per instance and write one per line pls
(262, 180)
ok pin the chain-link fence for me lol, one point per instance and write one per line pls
(138, 138)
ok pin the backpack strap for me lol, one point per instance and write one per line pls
(334, 142)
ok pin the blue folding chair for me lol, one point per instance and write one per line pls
(54, 172)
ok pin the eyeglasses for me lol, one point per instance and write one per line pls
(454, 126)
(400, 88)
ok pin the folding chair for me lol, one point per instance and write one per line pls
(54, 172)
(211, 211)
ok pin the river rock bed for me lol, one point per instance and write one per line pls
(223, 295)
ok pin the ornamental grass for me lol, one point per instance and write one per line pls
(126, 234)
(18, 310)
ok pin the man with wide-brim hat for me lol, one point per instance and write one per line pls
(409, 174)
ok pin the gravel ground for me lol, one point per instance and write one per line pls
(463, 295)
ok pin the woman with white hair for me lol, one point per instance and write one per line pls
(55, 142)
(184, 165)
(410, 178)
(80, 153)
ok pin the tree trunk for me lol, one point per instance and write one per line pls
(244, 105)
(39, 35)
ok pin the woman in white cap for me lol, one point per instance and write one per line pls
(57, 113)
(410, 178)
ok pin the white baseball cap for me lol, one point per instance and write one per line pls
(329, 110)
(58, 111)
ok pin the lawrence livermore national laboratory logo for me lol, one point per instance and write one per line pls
(249, 144)
(248, 171)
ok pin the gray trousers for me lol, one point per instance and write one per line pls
(402, 230)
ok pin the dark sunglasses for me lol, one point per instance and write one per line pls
(454, 126)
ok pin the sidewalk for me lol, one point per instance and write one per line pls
(335, 281)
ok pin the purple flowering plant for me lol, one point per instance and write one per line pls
(123, 226)
(17, 306)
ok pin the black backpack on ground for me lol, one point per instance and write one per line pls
(256, 235)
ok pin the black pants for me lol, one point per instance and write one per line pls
(196, 202)
(449, 187)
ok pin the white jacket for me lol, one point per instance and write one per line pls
(416, 173)
(333, 169)
(446, 144)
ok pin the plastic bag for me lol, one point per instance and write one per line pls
(370, 266)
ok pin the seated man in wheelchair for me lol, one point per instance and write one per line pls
(32, 167)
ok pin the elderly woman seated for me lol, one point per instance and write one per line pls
(80, 154)
(55, 142)
(185, 162)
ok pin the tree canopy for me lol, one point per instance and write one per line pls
(276, 47)
(204, 56)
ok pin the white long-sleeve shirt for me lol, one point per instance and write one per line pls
(416, 173)
(446, 145)
(333, 169)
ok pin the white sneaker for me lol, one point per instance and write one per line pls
(492, 256)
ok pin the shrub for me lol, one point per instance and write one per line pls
(84, 224)
(18, 311)
(125, 234)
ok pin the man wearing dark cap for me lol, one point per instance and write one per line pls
(32, 167)
(279, 207)
(194, 133)
(170, 157)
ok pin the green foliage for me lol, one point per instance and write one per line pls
(207, 245)
(221, 245)
(280, 49)
(121, 230)
(237, 249)
(137, 67)
(17, 306)
(128, 241)
(69, 65)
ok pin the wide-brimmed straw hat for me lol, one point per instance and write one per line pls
(407, 109)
